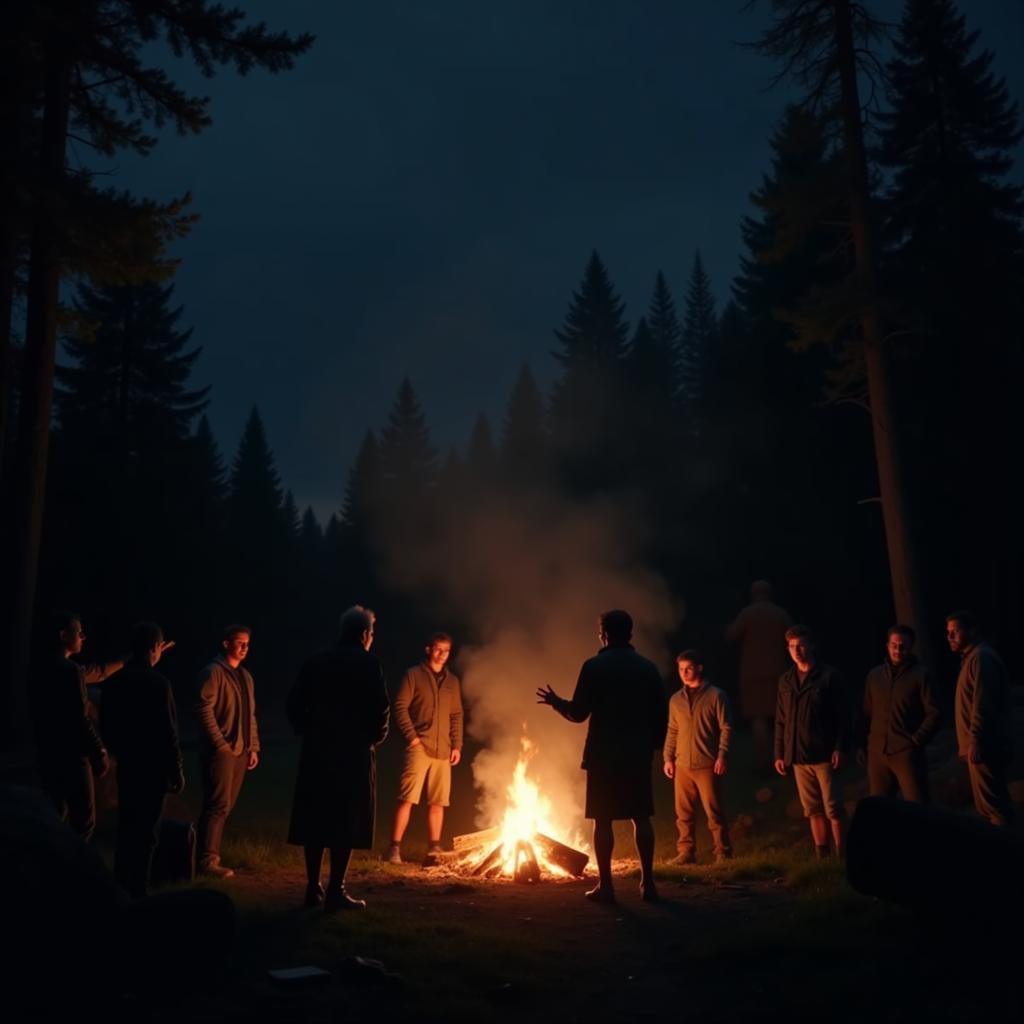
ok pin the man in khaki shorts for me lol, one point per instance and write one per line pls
(811, 731)
(428, 712)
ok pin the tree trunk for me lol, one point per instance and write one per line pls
(28, 469)
(899, 542)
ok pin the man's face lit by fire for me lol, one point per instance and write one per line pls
(957, 636)
(72, 638)
(236, 648)
(437, 654)
(801, 650)
(690, 673)
(898, 647)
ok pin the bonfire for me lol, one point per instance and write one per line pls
(523, 846)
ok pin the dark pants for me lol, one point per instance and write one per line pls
(140, 803)
(223, 775)
(990, 791)
(906, 772)
(691, 784)
(71, 789)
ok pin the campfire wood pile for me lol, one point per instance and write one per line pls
(484, 855)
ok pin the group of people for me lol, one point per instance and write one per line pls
(341, 709)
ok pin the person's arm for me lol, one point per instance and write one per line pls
(724, 713)
(780, 728)
(668, 750)
(254, 731)
(383, 709)
(93, 674)
(932, 715)
(400, 709)
(456, 722)
(204, 708)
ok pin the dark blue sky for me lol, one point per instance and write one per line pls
(420, 195)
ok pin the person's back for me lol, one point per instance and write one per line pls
(624, 696)
(138, 718)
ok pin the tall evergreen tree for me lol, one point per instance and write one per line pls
(666, 335)
(523, 435)
(955, 264)
(408, 459)
(362, 491)
(698, 336)
(481, 455)
(587, 420)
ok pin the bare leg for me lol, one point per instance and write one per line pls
(643, 836)
(402, 813)
(604, 843)
(435, 819)
(837, 835)
(819, 831)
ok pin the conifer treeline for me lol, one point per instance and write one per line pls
(739, 436)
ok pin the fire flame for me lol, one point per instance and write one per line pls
(527, 813)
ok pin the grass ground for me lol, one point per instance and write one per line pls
(772, 934)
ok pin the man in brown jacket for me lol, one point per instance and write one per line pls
(229, 741)
(984, 718)
(696, 747)
(428, 712)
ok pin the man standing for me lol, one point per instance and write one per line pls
(140, 725)
(229, 741)
(339, 706)
(696, 747)
(984, 718)
(760, 631)
(68, 748)
(622, 695)
(811, 729)
(899, 718)
(428, 713)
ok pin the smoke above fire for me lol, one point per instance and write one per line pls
(532, 577)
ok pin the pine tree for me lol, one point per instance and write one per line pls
(290, 517)
(408, 459)
(954, 227)
(587, 418)
(666, 335)
(523, 436)
(255, 504)
(363, 489)
(698, 337)
(481, 455)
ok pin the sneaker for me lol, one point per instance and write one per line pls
(684, 858)
(600, 894)
(214, 869)
(314, 896)
(394, 854)
(433, 857)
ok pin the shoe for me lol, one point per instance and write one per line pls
(433, 857)
(394, 854)
(214, 869)
(314, 896)
(721, 858)
(821, 852)
(339, 899)
(649, 893)
(684, 858)
(599, 894)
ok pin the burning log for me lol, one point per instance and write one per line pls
(526, 867)
(564, 856)
(492, 860)
(471, 840)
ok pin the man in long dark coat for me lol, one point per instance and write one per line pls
(140, 724)
(339, 706)
(622, 694)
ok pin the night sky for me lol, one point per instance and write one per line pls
(420, 195)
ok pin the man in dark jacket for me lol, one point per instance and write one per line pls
(984, 718)
(898, 719)
(68, 748)
(229, 741)
(339, 706)
(140, 725)
(811, 731)
(695, 756)
(622, 695)
(428, 713)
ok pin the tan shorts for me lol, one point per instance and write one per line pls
(817, 791)
(417, 769)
